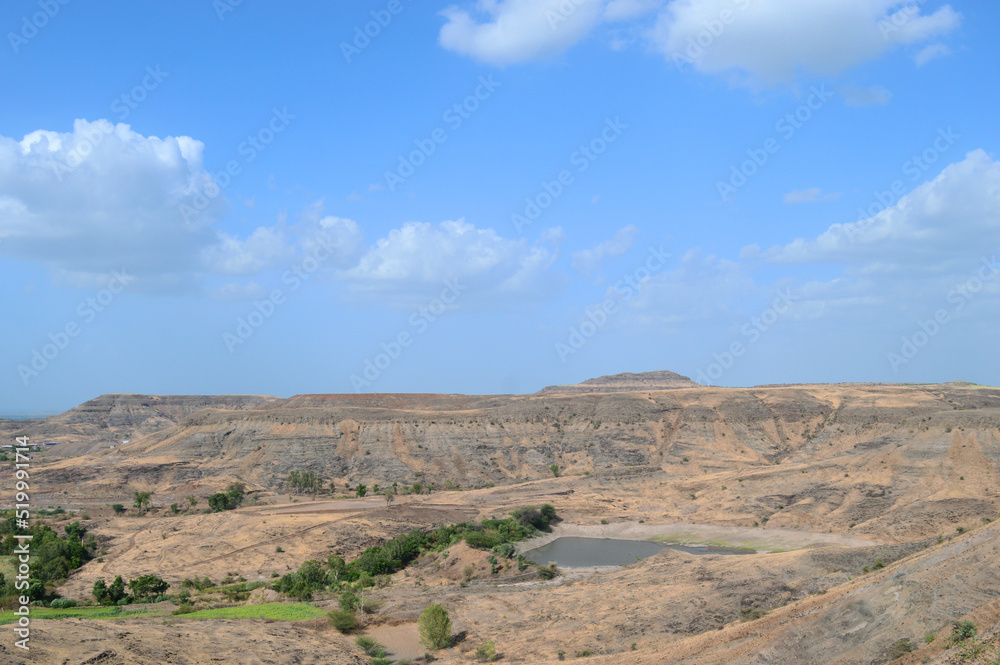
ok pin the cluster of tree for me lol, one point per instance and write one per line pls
(53, 558)
(228, 500)
(143, 587)
(142, 501)
(495, 535)
(304, 481)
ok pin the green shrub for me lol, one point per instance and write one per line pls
(370, 646)
(901, 648)
(184, 608)
(63, 603)
(548, 572)
(343, 621)
(434, 627)
(963, 630)
(487, 652)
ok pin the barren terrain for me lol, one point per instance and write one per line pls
(823, 481)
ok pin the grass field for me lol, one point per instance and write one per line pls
(275, 611)
(72, 613)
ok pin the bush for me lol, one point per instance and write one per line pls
(505, 550)
(63, 603)
(369, 646)
(963, 630)
(548, 572)
(118, 508)
(487, 652)
(185, 608)
(900, 649)
(343, 621)
(434, 627)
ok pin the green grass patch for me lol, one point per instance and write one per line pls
(275, 611)
(74, 613)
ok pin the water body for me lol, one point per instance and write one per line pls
(577, 552)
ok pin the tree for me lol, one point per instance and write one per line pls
(193, 501)
(116, 591)
(434, 627)
(118, 508)
(343, 620)
(375, 488)
(337, 566)
(141, 500)
(148, 586)
(555, 470)
(390, 496)
(100, 591)
(362, 490)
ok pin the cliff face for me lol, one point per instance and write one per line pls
(921, 454)
(109, 419)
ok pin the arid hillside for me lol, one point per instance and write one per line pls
(870, 508)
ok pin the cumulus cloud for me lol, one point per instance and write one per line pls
(509, 31)
(102, 197)
(774, 40)
(588, 260)
(938, 227)
(418, 258)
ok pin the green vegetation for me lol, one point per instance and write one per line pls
(54, 557)
(434, 627)
(370, 646)
(555, 470)
(141, 500)
(487, 652)
(73, 613)
(304, 481)
(343, 620)
(118, 508)
(962, 631)
(275, 611)
(901, 648)
(228, 500)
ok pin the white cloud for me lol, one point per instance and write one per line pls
(514, 31)
(860, 97)
(810, 195)
(103, 197)
(774, 40)
(265, 248)
(929, 53)
(588, 260)
(938, 227)
(418, 258)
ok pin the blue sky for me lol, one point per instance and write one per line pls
(494, 196)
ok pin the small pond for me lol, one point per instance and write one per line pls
(575, 552)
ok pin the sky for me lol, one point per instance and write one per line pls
(242, 197)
